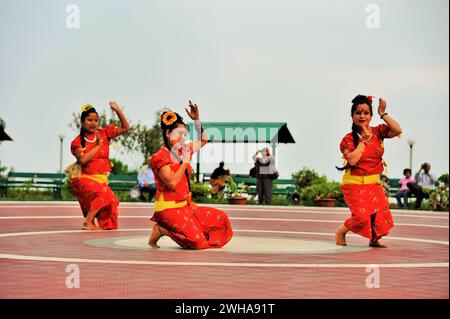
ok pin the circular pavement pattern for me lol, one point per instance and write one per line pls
(291, 246)
(239, 244)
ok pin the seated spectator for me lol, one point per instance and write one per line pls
(424, 184)
(217, 180)
(404, 191)
(146, 181)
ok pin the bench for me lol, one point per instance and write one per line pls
(394, 186)
(3, 186)
(284, 187)
(52, 181)
(279, 186)
(207, 176)
(122, 182)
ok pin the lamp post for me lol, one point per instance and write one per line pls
(411, 144)
(61, 139)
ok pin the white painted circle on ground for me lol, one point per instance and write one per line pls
(239, 244)
(216, 264)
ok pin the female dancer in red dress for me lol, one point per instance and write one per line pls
(91, 149)
(189, 225)
(363, 150)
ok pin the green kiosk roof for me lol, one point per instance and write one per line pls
(245, 132)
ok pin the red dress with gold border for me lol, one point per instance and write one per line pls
(189, 225)
(371, 216)
(91, 187)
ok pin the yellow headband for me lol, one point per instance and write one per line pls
(86, 107)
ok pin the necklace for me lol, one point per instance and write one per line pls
(90, 141)
(366, 140)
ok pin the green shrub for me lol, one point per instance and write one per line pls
(280, 200)
(307, 177)
(440, 196)
(66, 191)
(200, 190)
(27, 193)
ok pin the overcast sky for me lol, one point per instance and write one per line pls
(299, 62)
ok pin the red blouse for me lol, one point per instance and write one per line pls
(100, 163)
(371, 161)
(162, 158)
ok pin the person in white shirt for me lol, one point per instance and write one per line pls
(265, 173)
(423, 185)
(146, 181)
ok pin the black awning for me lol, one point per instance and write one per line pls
(4, 136)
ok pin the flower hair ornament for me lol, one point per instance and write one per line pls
(369, 98)
(86, 107)
(169, 118)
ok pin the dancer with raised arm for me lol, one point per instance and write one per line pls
(189, 225)
(91, 149)
(363, 150)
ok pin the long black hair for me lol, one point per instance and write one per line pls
(170, 121)
(357, 100)
(84, 114)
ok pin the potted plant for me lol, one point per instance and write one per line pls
(323, 194)
(439, 197)
(325, 202)
(236, 197)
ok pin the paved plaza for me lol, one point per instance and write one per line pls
(276, 253)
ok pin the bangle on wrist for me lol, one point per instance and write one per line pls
(199, 129)
(198, 124)
(381, 116)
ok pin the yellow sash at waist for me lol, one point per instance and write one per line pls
(99, 178)
(361, 180)
(161, 204)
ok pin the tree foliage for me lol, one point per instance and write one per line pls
(120, 168)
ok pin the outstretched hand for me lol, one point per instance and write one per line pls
(114, 106)
(193, 113)
(186, 153)
(381, 106)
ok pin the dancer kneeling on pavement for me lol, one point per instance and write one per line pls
(189, 225)
(363, 150)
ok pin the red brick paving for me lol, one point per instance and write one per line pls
(46, 279)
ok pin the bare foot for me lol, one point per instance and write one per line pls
(377, 244)
(90, 226)
(340, 237)
(155, 236)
